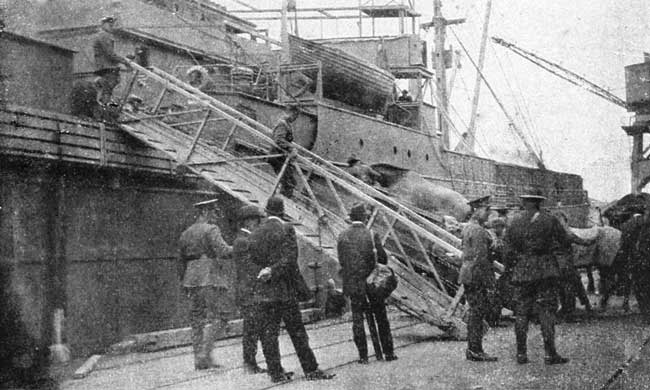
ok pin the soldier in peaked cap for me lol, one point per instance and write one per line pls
(204, 269)
(107, 62)
(249, 218)
(530, 241)
(274, 250)
(359, 249)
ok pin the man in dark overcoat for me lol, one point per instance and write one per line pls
(477, 276)
(205, 269)
(359, 249)
(530, 241)
(274, 250)
(249, 218)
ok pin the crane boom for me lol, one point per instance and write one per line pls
(563, 73)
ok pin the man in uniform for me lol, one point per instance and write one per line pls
(274, 250)
(530, 241)
(640, 267)
(107, 62)
(205, 276)
(359, 249)
(362, 171)
(283, 137)
(477, 276)
(249, 217)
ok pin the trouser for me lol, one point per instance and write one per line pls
(570, 288)
(618, 274)
(271, 314)
(109, 79)
(205, 311)
(374, 310)
(539, 296)
(641, 279)
(479, 307)
(288, 181)
(251, 333)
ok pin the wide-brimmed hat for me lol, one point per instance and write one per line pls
(249, 212)
(358, 212)
(483, 201)
(534, 195)
(275, 206)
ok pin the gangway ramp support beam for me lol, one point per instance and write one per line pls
(318, 208)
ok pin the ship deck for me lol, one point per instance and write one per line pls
(27, 132)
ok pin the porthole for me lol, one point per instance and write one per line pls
(394, 149)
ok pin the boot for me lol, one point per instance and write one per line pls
(521, 335)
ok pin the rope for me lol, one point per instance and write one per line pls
(496, 98)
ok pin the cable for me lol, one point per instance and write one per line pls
(538, 159)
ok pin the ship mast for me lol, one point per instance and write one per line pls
(439, 23)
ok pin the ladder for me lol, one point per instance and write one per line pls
(223, 146)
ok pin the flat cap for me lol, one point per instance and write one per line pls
(250, 211)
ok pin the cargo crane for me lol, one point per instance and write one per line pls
(638, 102)
(562, 73)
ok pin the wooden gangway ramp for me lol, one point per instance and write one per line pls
(229, 149)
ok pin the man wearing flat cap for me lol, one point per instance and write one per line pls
(204, 267)
(249, 218)
(283, 138)
(280, 287)
(477, 276)
(359, 249)
(530, 242)
(107, 62)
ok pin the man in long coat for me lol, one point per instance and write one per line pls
(477, 275)
(359, 250)
(530, 241)
(249, 219)
(274, 250)
(205, 270)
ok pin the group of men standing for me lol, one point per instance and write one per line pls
(262, 265)
(268, 287)
(529, 253)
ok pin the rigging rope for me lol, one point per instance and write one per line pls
(496, 98)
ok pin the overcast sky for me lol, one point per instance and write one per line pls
(576, 131)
